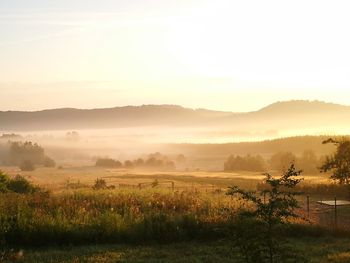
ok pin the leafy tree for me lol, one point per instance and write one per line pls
(339, 162)
(258, 240)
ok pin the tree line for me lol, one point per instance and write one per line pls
(152, 161)
(280, 161)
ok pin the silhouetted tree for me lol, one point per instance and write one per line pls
(339, 162)
(257, 236)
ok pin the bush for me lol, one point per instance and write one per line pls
(20, 185)
(27, 166)
(100, 184)
(4, 179)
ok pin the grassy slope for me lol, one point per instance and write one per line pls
(316, 249)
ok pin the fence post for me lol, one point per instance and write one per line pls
(264, 197)
(173, 186)
(335, 213)
(308, 206)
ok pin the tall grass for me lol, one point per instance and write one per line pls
(107, 216)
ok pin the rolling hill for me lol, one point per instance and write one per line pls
(288, 115)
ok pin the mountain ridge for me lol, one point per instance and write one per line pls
(297, 112)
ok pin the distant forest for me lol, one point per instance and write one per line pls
(297, 145)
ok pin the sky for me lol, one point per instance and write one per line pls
(223, 54)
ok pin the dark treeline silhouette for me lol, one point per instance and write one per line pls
(152, 161)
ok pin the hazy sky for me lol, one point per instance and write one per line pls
(222, 54)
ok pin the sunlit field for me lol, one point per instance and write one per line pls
(150, 209)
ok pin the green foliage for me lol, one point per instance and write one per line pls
(106, 216)
(339, 162)
(258, 240)
(18, 184)
(4, 179)
(245, 163)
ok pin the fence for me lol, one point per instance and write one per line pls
(329, 212)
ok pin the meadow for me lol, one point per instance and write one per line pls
(148, 216)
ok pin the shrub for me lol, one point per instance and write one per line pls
(100, 184)
(20, 185)
(4, 179)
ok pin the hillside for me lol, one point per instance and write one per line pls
(278, 116)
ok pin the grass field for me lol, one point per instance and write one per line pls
(316, 250)
(190, 217)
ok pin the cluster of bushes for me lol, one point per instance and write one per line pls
(245, 163)
(18, 184)
(26, 155)
(153, 161)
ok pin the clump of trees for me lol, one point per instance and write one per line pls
(245, 163)
(108, 163)
(27, 155)
(256, 230)
(18, 184)
(153, 161)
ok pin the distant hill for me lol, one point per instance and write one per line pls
(278, 116)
